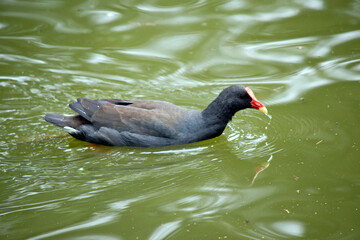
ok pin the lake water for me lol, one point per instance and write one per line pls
(291, 175)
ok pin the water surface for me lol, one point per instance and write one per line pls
(302, 60)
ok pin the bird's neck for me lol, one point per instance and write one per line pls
(218, 111)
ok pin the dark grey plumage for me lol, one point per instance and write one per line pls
(148, 123)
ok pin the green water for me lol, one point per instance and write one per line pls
(302, 60)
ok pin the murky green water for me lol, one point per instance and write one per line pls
(301, 58)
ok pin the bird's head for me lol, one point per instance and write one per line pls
(239, 97)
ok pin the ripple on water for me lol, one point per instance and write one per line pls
(59, 24)
(288, 128)
(203, 205)
(341, 69)
(101, 16)
(226, 71)
(327, 44)
(19, 58)
(165, 46)
(298, 226)
(249, 136)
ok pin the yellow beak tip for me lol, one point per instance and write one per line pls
(263, 110)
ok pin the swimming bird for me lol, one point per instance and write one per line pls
(151, 123)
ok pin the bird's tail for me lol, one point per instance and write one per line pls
(56, 119)
(65, 121)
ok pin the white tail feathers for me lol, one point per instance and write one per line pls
(71, 130)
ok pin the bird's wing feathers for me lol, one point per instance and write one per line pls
(144, 117)
(144, 104)
(114, 138)
(86, 107)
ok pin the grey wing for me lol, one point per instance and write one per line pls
(114, 138)
(145, 117)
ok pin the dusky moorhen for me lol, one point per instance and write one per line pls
(148, 123)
